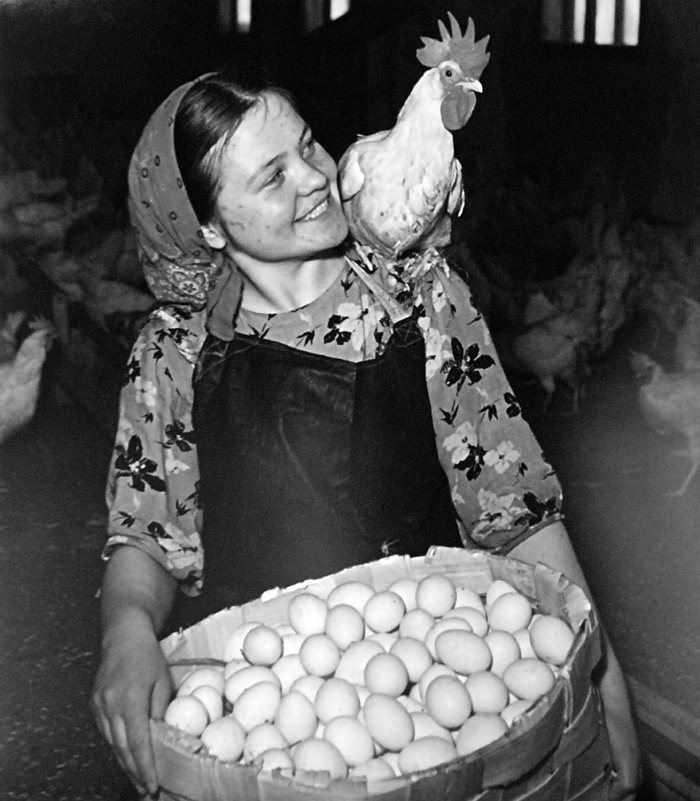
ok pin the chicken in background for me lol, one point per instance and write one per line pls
(399, 187)
(20, 378)
(8, 335)
(670, 404)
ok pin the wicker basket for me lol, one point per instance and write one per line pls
(558, 750)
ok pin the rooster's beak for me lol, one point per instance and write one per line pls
(471, 85)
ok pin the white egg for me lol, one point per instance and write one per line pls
(481, 729)
(224, 738)
(233, 646)
(209, 675)
(188, 714)
(307, 613)
(296, 717)
(351, 738)
(319, 755)
(262, 738)
(389, 723)
(510, 612)
(436, 594)
(212, 699)
(426, 752)
(354, 593)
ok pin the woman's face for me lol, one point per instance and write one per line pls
(279, 200)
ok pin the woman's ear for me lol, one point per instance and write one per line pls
(213, 238)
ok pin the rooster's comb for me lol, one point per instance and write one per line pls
(455, 46)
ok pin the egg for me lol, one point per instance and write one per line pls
(406, 588)
(510, 612)
(296, 717)
(233, 666)
(425, 726)
(551, 639)
(416, 623)
(344, 625)
(528, 678)
(487, 691)
(495, 589)
(247, 677)
(426, 752)
(291, 643)
(431, 673)
(354, 593)
(387, 674)
(224, 738)
(388, 722)
(480, 730)
(515, 709)
(212, 699)
(448, 702)
(188, 714)
(504, 650)
(463, 651)
(385, 638)
(319, 755)
(445, 624)
(351, 666)
(392, 759)
(262, 738)
(436, 594)
(351, 738)
(308, 686)
(275, 759)
(410, 704)
(414, 654)
(233, 645)
(258, 704)
(307, 614)
(475, 618)
(383, 611)
(374, 771)
(466, 596)
(209, 675)
(288, 669)
(319, 655)
(522, 637)
(336, 697)
(262, 646)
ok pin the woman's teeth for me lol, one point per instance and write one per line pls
(316, 212)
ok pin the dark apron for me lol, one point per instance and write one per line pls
(310, 464)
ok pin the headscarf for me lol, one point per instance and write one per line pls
(178, 264)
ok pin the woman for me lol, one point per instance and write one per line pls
(341, 413)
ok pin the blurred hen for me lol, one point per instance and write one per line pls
(670, 404)
(399, 187)
(20, 378)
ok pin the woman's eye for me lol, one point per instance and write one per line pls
(309, 147)
(276, 178)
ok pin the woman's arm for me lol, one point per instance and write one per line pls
(133, 683)
(551, 546)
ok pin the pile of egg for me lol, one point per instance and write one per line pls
(375, 684)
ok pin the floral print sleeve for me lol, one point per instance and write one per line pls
(502, 486)
(152, 490)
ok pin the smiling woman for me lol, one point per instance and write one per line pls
(290, 408)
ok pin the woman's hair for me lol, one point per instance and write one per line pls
(207, 117)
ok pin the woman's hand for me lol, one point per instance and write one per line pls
(133, 684)
(552, 547)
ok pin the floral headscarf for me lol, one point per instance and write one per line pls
(178, 264)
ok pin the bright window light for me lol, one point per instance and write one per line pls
(605, 22)
(339, 7)
(243, 15)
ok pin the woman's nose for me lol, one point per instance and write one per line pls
(312, 178)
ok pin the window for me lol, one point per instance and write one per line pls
(318, 12)
(234, 14)
(599, 22)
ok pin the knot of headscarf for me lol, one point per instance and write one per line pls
(178, 264)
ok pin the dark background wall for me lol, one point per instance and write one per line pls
(634, 112)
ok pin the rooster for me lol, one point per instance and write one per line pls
(20, 378)
(399, 187)
(670, 403)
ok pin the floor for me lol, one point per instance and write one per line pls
(640, 548)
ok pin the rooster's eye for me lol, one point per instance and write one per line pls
(448, 73)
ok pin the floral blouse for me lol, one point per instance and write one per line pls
(502, 487)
